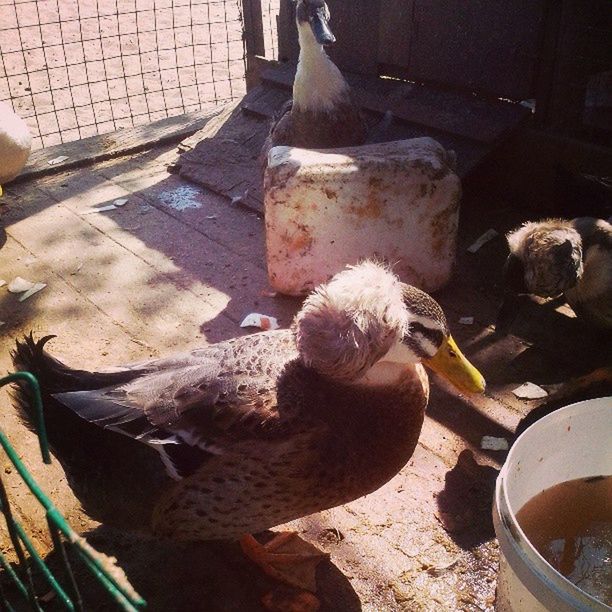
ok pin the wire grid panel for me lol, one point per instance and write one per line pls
(77, 68)
(269, 15)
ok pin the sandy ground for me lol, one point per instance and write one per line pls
(77, 69)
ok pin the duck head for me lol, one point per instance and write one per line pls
(365, 317)
(545, 259)
(314, 14)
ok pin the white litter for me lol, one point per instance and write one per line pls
(19, 285)
(466, 320)
(255, 319)
(120, 201)
(211, 216)
(493, 443)
(57, 160)
(30, 292)
(106, 208)
(529, 390)
(488, 235)
(240, 198)
(24, 286)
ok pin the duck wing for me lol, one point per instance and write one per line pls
(196, 405)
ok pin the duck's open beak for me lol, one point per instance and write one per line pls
(320, 28)
(451, 363)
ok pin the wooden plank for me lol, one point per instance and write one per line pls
(353, 23)
(583, 49)
(395, 32)
(266, 105)
(106, 146)
(253, 38)
(474, 45)
(224, 155)
(253, 27)
(466, 116)
(288, 47)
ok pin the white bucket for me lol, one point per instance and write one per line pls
(573, 442)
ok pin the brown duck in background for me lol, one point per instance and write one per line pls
(561, 257)
(261, 429)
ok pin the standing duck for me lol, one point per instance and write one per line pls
(15, 144)
(556, 256)
(322, 113)
(258, 430)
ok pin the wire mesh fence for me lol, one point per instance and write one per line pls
(77, 68)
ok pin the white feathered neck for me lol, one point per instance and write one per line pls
(319, 84)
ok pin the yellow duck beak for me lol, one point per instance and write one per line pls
(451, 363)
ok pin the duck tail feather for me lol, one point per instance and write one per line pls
(54, 377)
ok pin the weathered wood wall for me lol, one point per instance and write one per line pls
(486, 46)
(546, 50)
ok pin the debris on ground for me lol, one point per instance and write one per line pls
(240, 199)
(493, 443)
(19, 285)
(116, 204)
(466, 321)
(30, 292)
(26, 287)
(529, 390)
(488, 235)
(256, 319)
(57, 160)
(2, 282)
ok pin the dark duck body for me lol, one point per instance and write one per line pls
(246, 434)
(322, 113)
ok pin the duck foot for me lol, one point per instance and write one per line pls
(286, 557)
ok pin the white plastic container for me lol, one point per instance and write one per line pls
(398, 201)
(15, 143)
(570, 443)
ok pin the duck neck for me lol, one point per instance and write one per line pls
(318, 86)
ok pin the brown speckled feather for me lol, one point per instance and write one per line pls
(258, 437)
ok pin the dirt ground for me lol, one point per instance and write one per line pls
(74, 70)
(179, 266)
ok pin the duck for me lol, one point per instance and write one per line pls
(555, 257)
(15, 144)
(322, 113)
(255, 431)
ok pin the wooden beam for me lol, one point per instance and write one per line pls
(106, 146)
(253, 38)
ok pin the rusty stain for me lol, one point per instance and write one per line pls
(331, 194)
(298, 240)
(375, 182)
(373, 208)
(443, 226)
